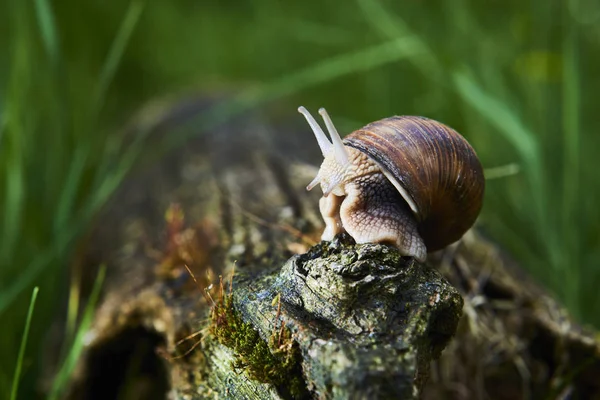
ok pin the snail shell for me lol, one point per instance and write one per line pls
(435, 167)
(409, 181)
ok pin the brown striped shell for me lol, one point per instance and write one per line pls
(434, 166)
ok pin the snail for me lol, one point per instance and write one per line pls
(407, 181)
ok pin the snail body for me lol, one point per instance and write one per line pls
(408, 181)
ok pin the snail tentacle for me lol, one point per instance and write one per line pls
(324, 143)
(336, 163)
(313, 183)
(341, 154)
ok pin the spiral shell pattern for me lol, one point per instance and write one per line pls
(437, 168)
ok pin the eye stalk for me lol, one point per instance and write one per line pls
(334, 151)
(324, 143)
(339, 151)
(341, 155)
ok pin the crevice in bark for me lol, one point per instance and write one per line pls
(125, 367)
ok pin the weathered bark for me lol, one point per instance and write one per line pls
(354, 321)
(366, 321)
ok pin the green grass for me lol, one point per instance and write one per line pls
(518, 79)
(17, 376)
(76, 347)
(51, 152)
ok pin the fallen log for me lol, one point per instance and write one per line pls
(295, 318)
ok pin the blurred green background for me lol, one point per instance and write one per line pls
(518, 79)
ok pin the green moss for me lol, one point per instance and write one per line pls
(277, 363)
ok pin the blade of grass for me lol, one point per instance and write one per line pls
(321, 34)
(70, 361)
(69, 232)
(114, 179)
(2, 128)
(68, 194)
(17, 376)
(13, 200)
(324, 71)
(391, 26)
(506, 122)
(12, 162)
(502, 171)
(35, 267)
(502, 118)
(73, 304)
(59, 83)
(571, 146)
(110, 65)
(47, 27)
(115, 54)
(63, 238)
(334, 68)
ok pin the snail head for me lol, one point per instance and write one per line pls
(336, 164)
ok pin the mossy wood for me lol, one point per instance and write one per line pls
(292, 317)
